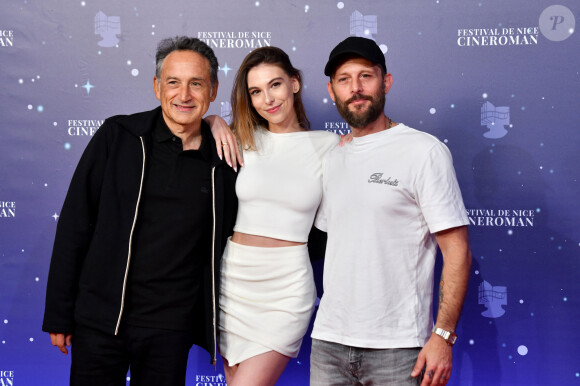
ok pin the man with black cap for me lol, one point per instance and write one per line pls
(390, 197)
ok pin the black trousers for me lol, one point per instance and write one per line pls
(154, 357)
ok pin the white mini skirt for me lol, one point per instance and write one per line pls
(267, 297)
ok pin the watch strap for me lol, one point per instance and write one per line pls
(449, 336)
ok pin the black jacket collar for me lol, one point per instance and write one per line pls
(143, 123)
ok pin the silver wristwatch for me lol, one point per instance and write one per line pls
(449, 336)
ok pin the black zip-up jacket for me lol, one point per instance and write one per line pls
(91, 257)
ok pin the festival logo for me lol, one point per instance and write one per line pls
(7, 209)
(557, 23)
(108, 27)
(363, 26)
(6, 378)
(495, 119)
(6, 38)
(210, 380)
(83, 127)
(501, 217)
(236, 39)
(493, 298)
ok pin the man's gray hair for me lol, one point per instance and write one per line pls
(186, 43)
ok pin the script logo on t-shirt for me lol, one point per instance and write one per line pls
(377, 178)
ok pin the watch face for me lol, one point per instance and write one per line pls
(452, 338)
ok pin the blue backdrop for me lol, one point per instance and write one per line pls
(497, 81)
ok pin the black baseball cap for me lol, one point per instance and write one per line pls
(355, 45)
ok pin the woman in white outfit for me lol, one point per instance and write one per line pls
(267, 290)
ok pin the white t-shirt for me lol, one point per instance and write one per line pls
(280, 186)
(385, 194)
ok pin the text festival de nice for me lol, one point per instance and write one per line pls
(6, 38)
(512, 36)
(240, 39)
(83, 127)
(7, 209)
(501, 217)
(6, 378)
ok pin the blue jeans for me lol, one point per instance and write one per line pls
(333, 364)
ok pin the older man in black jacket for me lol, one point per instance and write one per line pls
(134, 275)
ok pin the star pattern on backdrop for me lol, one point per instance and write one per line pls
(88, 86)
(225, 69)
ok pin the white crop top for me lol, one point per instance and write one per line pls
(279, 188)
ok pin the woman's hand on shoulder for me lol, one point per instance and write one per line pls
(344, 139)
(226, 142)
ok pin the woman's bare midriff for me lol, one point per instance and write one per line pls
(261, 241)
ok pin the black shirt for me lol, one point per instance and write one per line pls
(172, 238)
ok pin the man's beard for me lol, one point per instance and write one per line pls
(360, 119)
